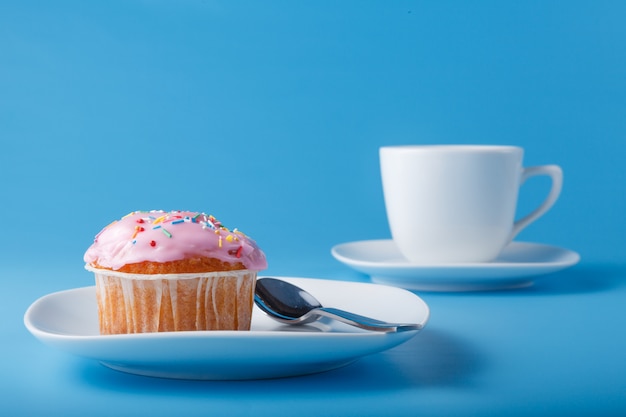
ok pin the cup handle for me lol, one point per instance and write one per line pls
(556, 174)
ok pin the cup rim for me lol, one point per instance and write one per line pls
(477, 148)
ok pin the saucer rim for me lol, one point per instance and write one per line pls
(575, 258)
(459, 277)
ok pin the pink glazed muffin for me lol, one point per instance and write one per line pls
(162, 271)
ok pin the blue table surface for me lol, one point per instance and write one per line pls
(555, 348)
(269, 115)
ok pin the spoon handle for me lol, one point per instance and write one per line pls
(364, 322)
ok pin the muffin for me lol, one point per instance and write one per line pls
(162, 271)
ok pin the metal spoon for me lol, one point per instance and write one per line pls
(287, 303)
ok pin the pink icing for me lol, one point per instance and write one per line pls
(159, 236)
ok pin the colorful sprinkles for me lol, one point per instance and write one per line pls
(155, 220)
(160, 236)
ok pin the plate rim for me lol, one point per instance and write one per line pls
(357, 344)
(211, 333)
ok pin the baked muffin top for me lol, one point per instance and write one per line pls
(160, 237)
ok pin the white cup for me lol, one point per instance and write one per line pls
(456, 203)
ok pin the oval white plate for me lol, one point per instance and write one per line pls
(68, 320)
(518, 261)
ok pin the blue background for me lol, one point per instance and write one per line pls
(269, 115)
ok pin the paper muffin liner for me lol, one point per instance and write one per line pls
(137, 303)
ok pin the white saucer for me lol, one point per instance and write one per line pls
(68, 320)
(518, 261)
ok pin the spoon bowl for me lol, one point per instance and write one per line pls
(290, 304)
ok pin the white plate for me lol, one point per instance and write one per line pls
(68, 321)
(518, 261)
